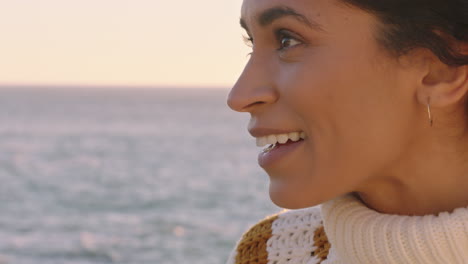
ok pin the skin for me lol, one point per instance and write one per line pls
(364, 112)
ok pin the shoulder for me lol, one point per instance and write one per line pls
(293, 234)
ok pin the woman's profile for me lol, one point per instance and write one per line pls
(360, 107)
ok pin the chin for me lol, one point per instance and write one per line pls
(291, 198)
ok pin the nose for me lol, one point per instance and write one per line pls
(254, 88)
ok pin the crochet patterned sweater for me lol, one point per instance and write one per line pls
(345, 231)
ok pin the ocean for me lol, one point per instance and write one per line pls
(134, 175)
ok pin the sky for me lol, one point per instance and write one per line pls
(160, 43)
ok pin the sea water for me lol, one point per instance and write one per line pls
(102, 175)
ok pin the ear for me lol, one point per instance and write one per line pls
(445, 85)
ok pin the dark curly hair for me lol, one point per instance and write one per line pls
(433, 24)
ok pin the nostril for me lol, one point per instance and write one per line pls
(254, 104)
(241, 104)
(250, 93)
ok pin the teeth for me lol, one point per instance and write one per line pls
(262, 141)
(294, 136)
(271, 139)
(281, 138)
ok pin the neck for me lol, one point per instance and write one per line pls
(420, 184)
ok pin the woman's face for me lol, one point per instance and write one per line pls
(317, 68)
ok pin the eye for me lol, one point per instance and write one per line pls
(286, 40)
(248, 40)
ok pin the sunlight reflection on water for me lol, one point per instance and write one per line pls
(125, 176)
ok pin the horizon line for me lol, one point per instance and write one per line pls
(112, 86)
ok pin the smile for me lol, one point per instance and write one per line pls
(279, 139)
(280, 146)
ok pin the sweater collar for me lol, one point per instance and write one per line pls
(361, 235)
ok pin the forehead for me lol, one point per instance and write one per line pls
(252, 5)
(251, 9)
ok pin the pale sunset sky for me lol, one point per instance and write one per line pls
(189, 43)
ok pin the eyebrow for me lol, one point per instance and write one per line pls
(270, 15)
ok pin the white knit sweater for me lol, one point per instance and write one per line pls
(357, 234)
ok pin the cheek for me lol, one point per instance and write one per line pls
(332, 92)
(345, 104)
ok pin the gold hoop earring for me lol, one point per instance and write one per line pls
(429, 110)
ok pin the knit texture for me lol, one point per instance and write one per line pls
(252, 248)
(360, 235)
(357, 235)
(292, 237)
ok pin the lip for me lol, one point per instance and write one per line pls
(263, 132)
(277, 154)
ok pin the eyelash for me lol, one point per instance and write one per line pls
(249, 42)
(280, 35)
